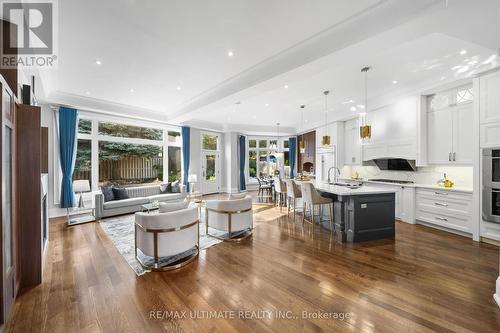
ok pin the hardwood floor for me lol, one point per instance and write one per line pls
(425, 280)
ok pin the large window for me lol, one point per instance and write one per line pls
(264, 159)
(83, 164)
(126, 155)
(174, 163)
(129, 164)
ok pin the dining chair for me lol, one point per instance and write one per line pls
(263, 187)
(280, 190)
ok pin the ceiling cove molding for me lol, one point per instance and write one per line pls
(239, 128)
(102, 106)
(380, 17)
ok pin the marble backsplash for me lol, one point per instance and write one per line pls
(461, 175)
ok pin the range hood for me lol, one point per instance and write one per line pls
(395, 164)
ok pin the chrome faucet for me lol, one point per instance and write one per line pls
(335, 175)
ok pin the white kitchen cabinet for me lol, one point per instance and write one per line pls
(449, 135)
(489, 109)
(439, 136)
(445, 208)
(463, 151)
(352, 146)
(489, 98)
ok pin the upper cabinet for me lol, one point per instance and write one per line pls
(394, 131)
(489, 109)
(352, 147)
(449, 127)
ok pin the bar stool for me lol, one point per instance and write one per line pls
(280, 189)
(312, 198)
(293, 193)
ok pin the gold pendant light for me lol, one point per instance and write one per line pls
(302, 144)
(326, 138)
(365, 130)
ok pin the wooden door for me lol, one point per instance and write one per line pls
(8, 226)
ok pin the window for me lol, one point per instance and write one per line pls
(174, 137)
(263, 160)
(174, 163)
(252, 163)
(209, 141)
(464, 95)
(129, 164)
(84, 126)
(127, 155)
(83, 164)
(128, 131)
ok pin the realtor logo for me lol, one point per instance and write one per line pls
(28, 35)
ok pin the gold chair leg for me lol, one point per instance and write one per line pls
(312, 213)
(294, 209)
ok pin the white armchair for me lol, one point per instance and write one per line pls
(233, 217)
(167, 234)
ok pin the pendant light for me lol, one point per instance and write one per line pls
(326, 138)
(302, 144)
(365, 130)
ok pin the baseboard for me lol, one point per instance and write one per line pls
(489, 241)
(496, 296)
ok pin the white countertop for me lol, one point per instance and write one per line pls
(343, 190)
(431, 186)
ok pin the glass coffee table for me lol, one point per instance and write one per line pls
(149, 207)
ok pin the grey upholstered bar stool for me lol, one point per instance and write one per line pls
(280, 189)
(312, 198)
(293, 193)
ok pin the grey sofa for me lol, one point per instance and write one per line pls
(138, 196)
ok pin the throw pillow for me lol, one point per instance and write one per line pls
(120, 193)
(164, 188)
(234, 196)
(166, 207)
(175, 187)
(107, 193)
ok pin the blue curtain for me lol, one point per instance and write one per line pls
(185, 131)
(242, 145)
(67, 149)
(292, 146)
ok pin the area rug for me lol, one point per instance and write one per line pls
(120, 230)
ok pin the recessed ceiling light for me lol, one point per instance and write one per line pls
(87, 93)
(267, 104)
(442, 78)
(394, 82)
(361, 106)
(132, 90)
(463, 52)
(230, 53)
(98, 62)
(286, 86)
(348, 102)
(353, 108)
(178, 88)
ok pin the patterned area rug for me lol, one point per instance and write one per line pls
(120, 230)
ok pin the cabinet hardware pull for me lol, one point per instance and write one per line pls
(454, 157)
(441, 204)
(441, 218)
(449, 157)
(439, 193)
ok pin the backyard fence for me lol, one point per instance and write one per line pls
(129, 168)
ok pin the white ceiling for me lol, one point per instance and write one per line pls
(154, 47)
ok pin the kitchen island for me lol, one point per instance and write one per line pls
(360, 214)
